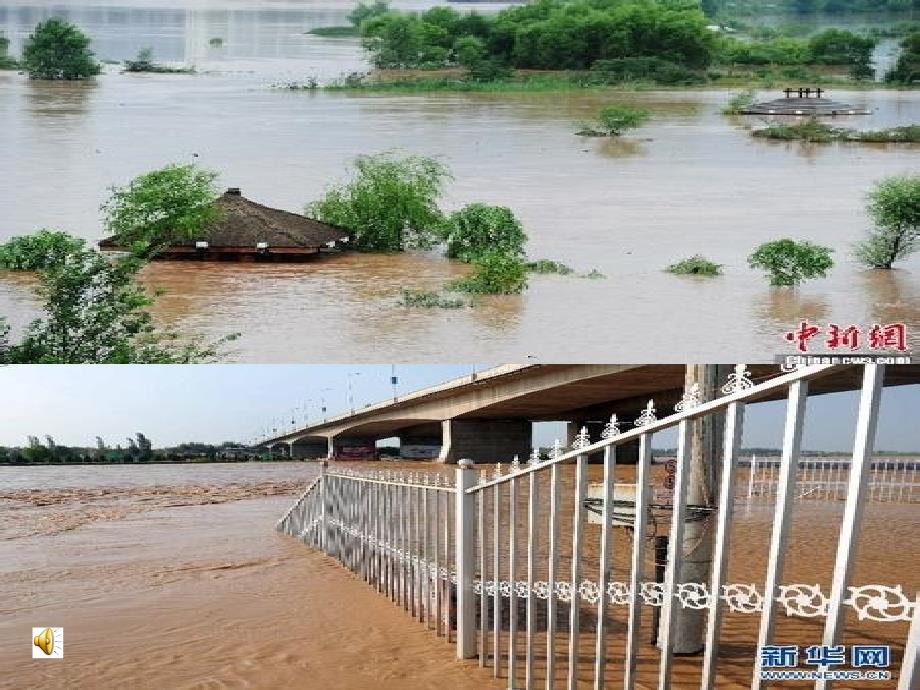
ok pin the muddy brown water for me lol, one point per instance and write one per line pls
(174, 574)
(692, 181)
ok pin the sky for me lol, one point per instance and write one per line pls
(236, 402)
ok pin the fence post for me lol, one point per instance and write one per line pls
(464, 518)
(322, 506)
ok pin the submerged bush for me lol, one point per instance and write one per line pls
(38, 251)
(494, 274)
(651, 69)
(545, 266)
(157, 208)
(697, 265)
(390, 204)
(739, 102)
(613, 120)
(789, 263)
(479, 229)
(811, 130)
(57, 49)
(429, 299)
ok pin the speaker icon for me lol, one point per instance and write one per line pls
(47, 643)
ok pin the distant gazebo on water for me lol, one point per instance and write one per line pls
(804, 101)
(247, 231)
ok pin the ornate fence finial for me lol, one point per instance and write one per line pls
(648, 415)
(611, 428)
(692, 397)
(515, 465)
(534, 457)
(497, 472)
(556, 450)
(582, 440)
(739, 380)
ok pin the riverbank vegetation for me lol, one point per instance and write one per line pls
(906, 70)
(595, 44)
(56, 50)
(136, 449)
(6, 60)
(814, 131)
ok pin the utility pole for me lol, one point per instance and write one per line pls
(705, 472)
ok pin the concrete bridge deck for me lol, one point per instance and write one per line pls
(489, 414)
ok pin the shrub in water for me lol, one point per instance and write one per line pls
(613, 120)
(494, 274)
(159, 207)
(790, 263)
(696, 265)
(549, 266)
(38, 251)
(391, 204)
(479, 229)
(58, 50)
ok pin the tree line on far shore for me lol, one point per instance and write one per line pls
(610, 41)
(133, 450)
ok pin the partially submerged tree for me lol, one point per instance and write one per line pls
(57, 49)
(479, 229)
(789, 263)
(155, 209)
(494, 274)
(390, 204)
(38, 250)
(95, 311)
(894, 206)
(613, 120)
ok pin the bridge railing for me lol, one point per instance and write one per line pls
(509, 566)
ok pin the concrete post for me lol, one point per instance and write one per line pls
(465, 540)
(705, 471)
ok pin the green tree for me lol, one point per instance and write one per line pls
(494, 274)
(38, 250)
(57, 49)
(95, 311)
(157, 208)
(390, 204)
(367, 10)
(789, 263)
(907, 68)
(479, 229)
(614, 120)
(6, 61)
(894, 206)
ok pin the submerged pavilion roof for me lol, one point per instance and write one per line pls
(245, 227)
(802, 102)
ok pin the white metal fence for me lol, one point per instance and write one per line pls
(890, 481)
(507, 566)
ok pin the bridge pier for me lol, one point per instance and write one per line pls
(309, 449)
(485, 440)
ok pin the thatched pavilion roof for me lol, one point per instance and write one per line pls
(246, 225)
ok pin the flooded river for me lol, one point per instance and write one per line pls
(172, 576)
(692, 181)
